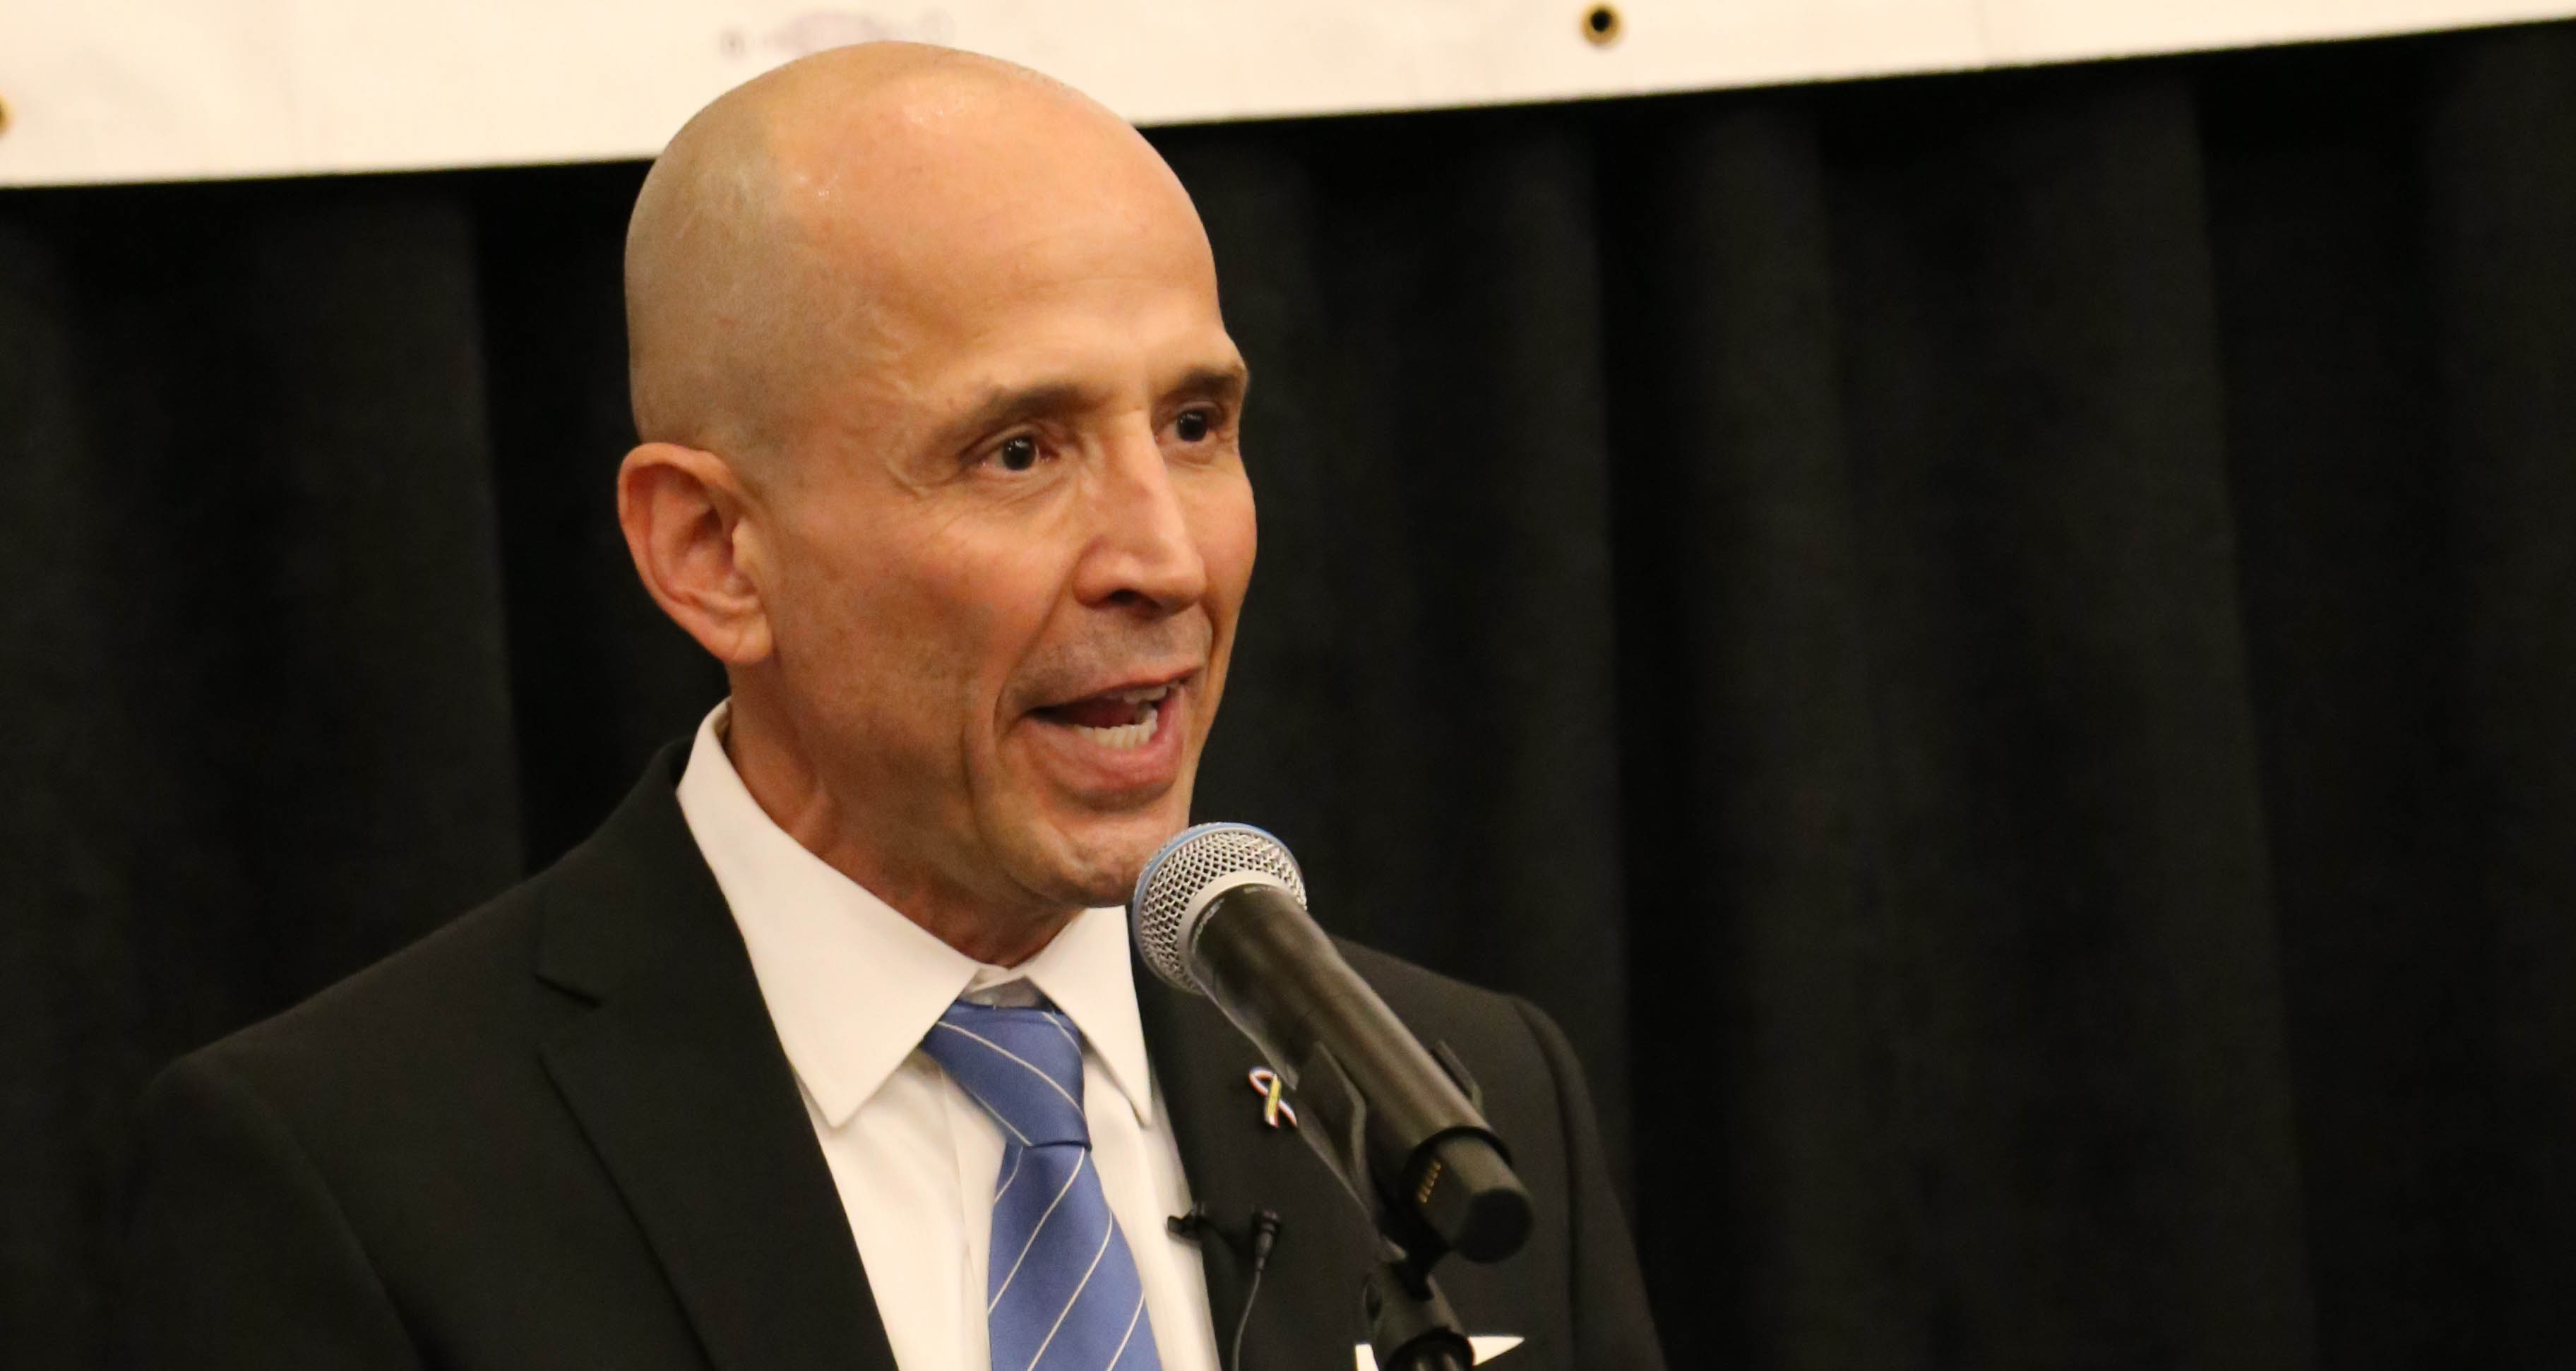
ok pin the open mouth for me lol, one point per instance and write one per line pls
(1120, 720)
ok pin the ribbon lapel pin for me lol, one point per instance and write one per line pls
(1275, 1109)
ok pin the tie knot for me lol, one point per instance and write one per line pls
(1024, 1066)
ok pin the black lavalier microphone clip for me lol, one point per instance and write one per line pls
(1187, 1227)
(1263, 1235)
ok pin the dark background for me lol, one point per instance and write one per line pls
(1998, 648)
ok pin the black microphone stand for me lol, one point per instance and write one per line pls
(1411, 1327)
(1400, 1124)
(1461, 1196)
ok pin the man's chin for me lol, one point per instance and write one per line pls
(1095, 860)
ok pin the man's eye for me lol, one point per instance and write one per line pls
(1192, 426)
(1017, 454)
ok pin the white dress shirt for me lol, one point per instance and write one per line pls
(853, 986)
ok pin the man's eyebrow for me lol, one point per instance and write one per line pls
(1003, 407)
(1213, 382)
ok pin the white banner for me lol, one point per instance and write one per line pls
(126, 90)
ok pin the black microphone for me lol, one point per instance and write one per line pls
(1221, 912)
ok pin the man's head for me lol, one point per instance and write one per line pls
(939, 457)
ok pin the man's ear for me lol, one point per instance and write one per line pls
(682, 510)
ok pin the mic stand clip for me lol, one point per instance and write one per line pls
(1411, 1326)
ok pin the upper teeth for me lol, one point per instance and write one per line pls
(1141, 694)
(1127, 737)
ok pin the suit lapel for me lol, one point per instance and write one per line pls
(676, 1076)
(1308, 1310)
(672, 1067)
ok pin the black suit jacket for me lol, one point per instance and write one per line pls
(560, 1132)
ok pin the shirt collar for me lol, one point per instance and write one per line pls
(851, 984)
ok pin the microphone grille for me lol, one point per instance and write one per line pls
(1168, 893)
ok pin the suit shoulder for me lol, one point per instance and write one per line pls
(474, 980)
(465, 982)
(1443, 1008)
(1396, 978)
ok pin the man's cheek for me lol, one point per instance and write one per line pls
(1228, 541)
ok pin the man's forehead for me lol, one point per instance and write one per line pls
(913, 204)
(1004, 226)
(952, 131)
(929, 204)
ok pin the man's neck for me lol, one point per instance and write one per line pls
(796, 797)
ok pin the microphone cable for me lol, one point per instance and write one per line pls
(1265, 1231)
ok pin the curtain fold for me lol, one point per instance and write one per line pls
(261, 732)
(2501, 212)
(1457, 622)
(1998, 649)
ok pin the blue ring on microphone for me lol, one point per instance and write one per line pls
(1155, 862)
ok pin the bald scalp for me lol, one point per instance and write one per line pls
(743, 285)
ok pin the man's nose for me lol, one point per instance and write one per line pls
(1143, 551)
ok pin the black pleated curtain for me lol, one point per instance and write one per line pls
(1999, 649)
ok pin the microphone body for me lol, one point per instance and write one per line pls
(1380, 1109)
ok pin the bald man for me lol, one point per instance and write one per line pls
(828, 1048)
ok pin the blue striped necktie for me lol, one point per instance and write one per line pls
(1061, 1290)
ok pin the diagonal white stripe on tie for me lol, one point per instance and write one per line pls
(1061, 1092)
(1054, 1306)
(1130, 1335)
(1061, 1192)
(1058, 1326)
